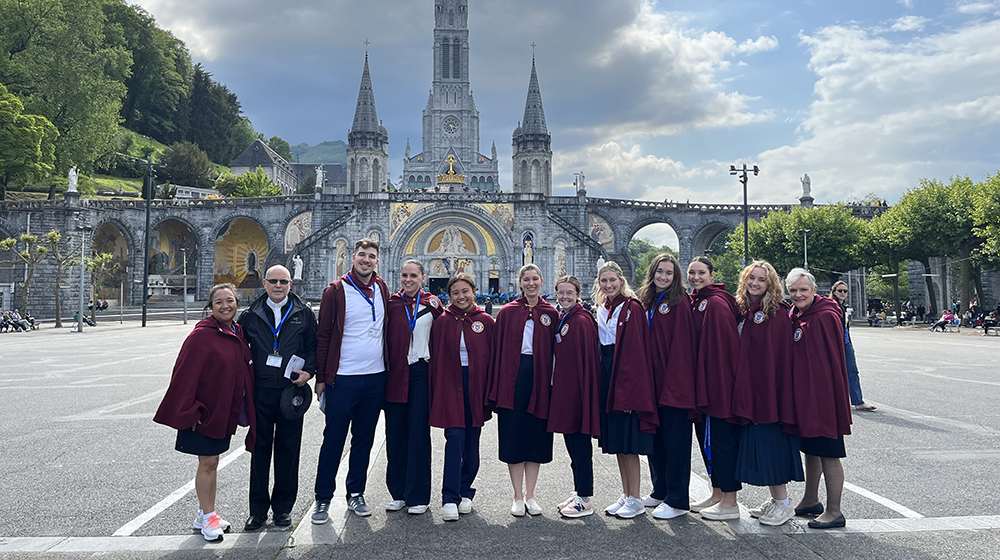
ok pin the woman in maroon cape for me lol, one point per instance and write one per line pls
(762, 398)
(664, 296)
(576, 388)
(628, 400)
(461, 342)
(715, 317)
(819, 375)
(210, 393)
(410, 314)
(518, 387)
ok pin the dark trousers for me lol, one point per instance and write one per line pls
(461, 455)
(408, 442)
(284, 436)
(853, 377)
(670, 464)
(352, 401)
(581, 460)
(725, 448)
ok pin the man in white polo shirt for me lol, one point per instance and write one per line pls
(351, 362)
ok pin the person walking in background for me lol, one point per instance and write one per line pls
(210, 393)
(838, 292)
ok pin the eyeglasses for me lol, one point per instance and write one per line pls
(841, 291)
(284, 281)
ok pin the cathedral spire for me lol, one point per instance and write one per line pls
(534, 116)
(365, 117)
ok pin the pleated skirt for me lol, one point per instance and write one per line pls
(620, 433)
(767, 456)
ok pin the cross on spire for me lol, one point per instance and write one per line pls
(367, 42)
(533, 45)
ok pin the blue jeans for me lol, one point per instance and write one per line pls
(853, 381)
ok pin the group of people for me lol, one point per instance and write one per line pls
(758, 381)
(13, 321)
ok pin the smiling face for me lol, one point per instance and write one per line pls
(611, 284)
(365, 261)
(411, 279)
(566, 295)
(757, 283)
(840, 292)
(463, 297)
(531, 283)
(663, 276)
(802, 293)
(699, 276)
(277, 291)
(224, 305)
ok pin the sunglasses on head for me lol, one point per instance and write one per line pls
(284, 282)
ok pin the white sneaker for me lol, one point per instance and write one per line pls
(199, 522)
(465, 506)
(416, 510)
(777, 514)
(613, 508)
(719, 513)
(759, 510)
(395, 505)
(632, 508)
(664, 511)
(449, 512)
(649, 501)
(211, 527)
(698, 506)
(533, 507)
(517, 508)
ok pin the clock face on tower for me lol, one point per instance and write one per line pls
(451, 124)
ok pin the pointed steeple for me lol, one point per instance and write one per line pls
(365, 117)
(534, 116)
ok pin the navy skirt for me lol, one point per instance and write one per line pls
(823, 447)
(523, 436)
(620, 433)
(196, 443)
(768, 457)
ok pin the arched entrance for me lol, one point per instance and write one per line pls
(169, 241)
(241, 249)
(110, 239)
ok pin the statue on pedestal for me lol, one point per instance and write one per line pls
(806, 186)
(297, 265)
(73, 177)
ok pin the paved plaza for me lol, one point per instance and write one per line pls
(87, 473)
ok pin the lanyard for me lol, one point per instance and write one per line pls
(275, 329)
(364, 295)
(412, 318)
(565, 314)
(649, 314)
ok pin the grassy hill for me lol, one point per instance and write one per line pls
(331, 151)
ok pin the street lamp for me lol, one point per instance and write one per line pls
(185, 296)
(805, 247)
(147, 193)
(84, 226)
(746, 227)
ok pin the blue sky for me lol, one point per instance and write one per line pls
(651, 100)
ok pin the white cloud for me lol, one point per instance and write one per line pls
(907, 3)
(910, 23)
(976, 7)
(760, 44)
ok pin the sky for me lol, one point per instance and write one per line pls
(650, 100)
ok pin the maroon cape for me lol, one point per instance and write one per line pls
(762, 393)
(506, 359)
(671, 337)
(397, 379)
(445, 376)
(575, 404)
(330, 333)
(715, 315)
(212, 382)
(632, 386)
(819, 371)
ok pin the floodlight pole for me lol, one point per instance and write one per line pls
(742, 173)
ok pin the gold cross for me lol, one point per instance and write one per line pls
(451, 161)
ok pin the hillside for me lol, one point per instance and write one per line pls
(331, 151)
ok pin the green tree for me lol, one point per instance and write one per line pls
(217, 122)
(31, 254)
(101, 267)
(249, 185)
(227, 184)
(643, 251)
(308, 183)
(281, 147)
(986, 220)
(186, 164)
(27, 143)
(65, 255)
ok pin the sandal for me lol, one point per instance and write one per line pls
(865, 407)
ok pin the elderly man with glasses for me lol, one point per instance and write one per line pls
(278, 327)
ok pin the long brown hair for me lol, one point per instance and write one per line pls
(773, 296)
(675, 292)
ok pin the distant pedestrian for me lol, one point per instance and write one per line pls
(839, 294)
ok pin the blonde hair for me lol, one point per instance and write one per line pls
(526, 269)
(568, 279)
(773, 296)
(833, 290)
(598, 294)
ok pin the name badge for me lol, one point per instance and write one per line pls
(273, 360)
(374, 333)
(558, 338)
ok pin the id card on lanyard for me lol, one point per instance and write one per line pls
(372, 332)
(274, 359)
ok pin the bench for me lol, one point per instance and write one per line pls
(996, 330)
(953, 327)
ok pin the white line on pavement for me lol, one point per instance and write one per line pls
(143, 518)
(949, 422)
(898, 508)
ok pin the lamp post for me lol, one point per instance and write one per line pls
(742, 173)
(147, 193)
(805, 247)
(185, 296)
(83, 267)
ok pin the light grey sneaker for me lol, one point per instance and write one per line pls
(632, 508)
(322, 513)
(449, 512)
(706, 503)
(719, 513)
(465, 506)
(356, 503)
(759, 510)
(665, 511)
(777, 514)
(649, 501)
(613, 508)
(395, 505)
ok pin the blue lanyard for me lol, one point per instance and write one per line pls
(364, 295)
(412, 318)
(565, 314)
(649, 313)
(275, 329)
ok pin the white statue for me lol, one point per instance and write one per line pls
(73, 176)
(452, 242)
(297, 265)
(600, 262)
(319, 178)
(806, 186)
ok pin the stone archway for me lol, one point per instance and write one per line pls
(109, 237)
(703, 239)
(170, 240)
(241, 251)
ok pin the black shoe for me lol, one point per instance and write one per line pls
(254, 523)
(809, 510)
(838, 522)
(283, 519)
